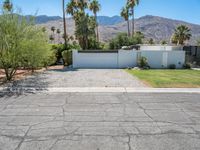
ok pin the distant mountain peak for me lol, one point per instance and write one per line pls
(158, 28)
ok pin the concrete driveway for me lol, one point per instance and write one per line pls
(81, 78)
(100, 121)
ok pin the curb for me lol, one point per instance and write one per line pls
(101, 90)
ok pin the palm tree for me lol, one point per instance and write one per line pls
(181, 34)
(51, 38)
(125, 15)
(7, 5)
(58, 32)
(64, 22)
(76, 8)
(95, 7)
(131, 4)
(71, 8)
(53, 29)
(82, 4)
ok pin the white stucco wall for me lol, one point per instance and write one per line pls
(122, 59)
(95, 60)
(162, 59)
(128, 58)
(160, 47)
(177, 58)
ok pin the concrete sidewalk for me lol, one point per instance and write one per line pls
(102, 90)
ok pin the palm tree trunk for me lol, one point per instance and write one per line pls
(133, 22)
(97, 28)
(58, 38)
(128, 26)
(64, 22)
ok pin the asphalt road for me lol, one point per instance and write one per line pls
(100, 121)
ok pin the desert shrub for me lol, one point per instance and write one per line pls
(67, 57)
(143, 63)
(22, 44)
(187, 66)
(50, 60)
(59, 48)
(36, 51)
(172, 66)
(151, 41)
(163, 42)
(93, 44)
(123, 40)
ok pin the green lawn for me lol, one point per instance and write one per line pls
(168, 78)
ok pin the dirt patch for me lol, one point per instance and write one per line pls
(20, 74)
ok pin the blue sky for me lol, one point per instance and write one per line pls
(186, 10)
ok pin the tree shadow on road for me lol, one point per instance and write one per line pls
(29, 85)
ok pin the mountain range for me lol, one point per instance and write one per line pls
(102, 20)
(155, 27)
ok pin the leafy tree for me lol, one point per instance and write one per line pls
(181, 34)
(21, 44)
(59, 48)
(131, 5)
(139, 37)
(125, 15)
(36, 51)
(95, 7)
(123, 40)
(95, 45)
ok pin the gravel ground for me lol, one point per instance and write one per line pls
(81, 78)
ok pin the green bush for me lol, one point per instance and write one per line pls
(123, 40)
(172, 66)
(50, 60)
(59, 48)
(151, 41)
(143, 63)
(187, 66)
(163, 42)
(22, 44)
(95, 45)
(67, 57)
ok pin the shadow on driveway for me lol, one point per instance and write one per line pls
(65, 69)
(31, 84)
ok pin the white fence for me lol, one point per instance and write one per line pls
(104, 59)
(127, 58)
